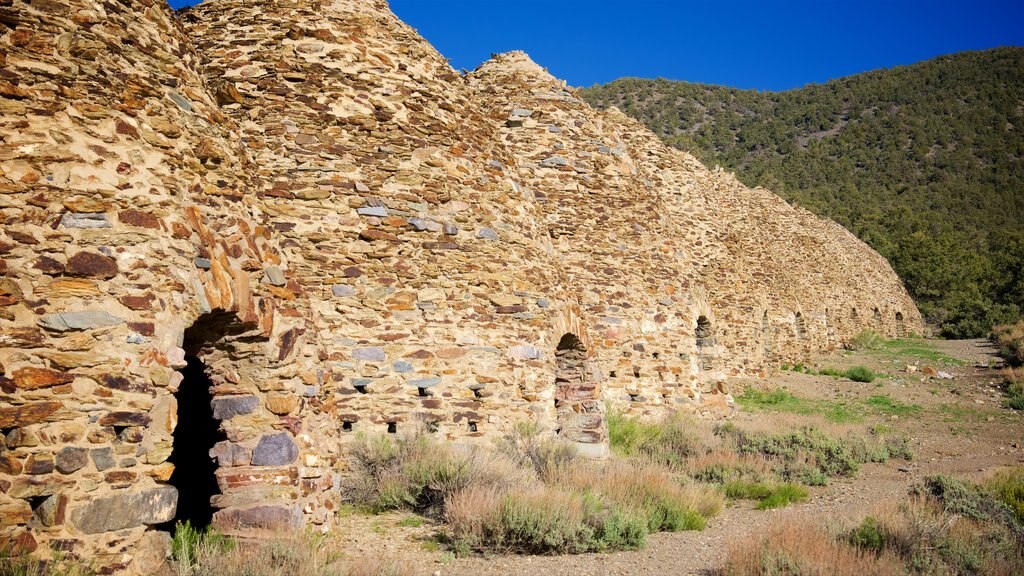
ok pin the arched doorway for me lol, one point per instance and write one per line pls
(901, 328)
(766, 336)
(704, 334)
(195, 435)
(577, 396)
(198, 430)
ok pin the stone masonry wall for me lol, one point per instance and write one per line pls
(302, 200)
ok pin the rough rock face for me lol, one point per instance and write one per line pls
(305, 201)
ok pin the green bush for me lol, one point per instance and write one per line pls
(1008, 487)
(768, 496)
(667, 442)
(546, 521)
(191, 544)
(868, 536)
(830, 456)
(860, 374)
(867, 340)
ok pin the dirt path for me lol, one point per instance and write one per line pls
(961, 430)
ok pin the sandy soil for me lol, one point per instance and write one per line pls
(963, 430)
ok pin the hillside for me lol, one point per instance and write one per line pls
(922, 162)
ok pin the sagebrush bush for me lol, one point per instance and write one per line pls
(860, 374)
(531, 495)
(1010, 340)
(1008, 487)
(945, 526)
(303, 554)
(867, 340)
(1013, 379)
(669, 442)
(797, 546)
(768, 495)
(190, 544)
(811, 456)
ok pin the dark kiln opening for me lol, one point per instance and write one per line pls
(197, 431)
(577, 400)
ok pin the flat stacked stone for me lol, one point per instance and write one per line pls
(350, 236)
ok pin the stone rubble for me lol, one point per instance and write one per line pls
(352, 237)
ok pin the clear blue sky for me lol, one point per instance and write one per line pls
(766, 44)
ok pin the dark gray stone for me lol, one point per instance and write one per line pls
(264, 519)
(180, 101)
(402, 367)
(127, 510)
(75, 220)
(231, 454)
(425, 382)
(372, 354)
(86, 320)
(274, 275)
(554, 161)
(525, 352)
(52, 510)
(226, 407)
(487, 234)
(361, 382)
(102, 458)
(343, 290)
(275, 450)
(422, 225)
(70, 459)
(203, 263)
(378, 211)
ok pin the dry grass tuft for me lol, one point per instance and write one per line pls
(1010, 339)
(306, 554)
(797, 546)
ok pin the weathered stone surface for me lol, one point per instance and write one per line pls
(343, 290)
(36, 378)
(32, 413)
(91, 264)
(230, 406)
(72, 220)
(70, 459)
(369, 354)
(282, 404)
(377, 211)
(14, 511)
(126, 510)
(425, 382)
(276, 190)
(102, 458)
(266, 519)
(85, 320)
(275, 450)
(41, 463)
(52, 510)
(487, 234)
(275, 276)
(125, 419)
